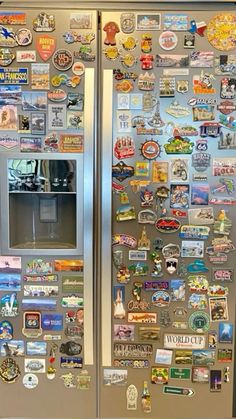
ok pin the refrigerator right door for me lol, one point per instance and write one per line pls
(168, 212)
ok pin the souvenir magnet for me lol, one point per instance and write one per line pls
(119, 310)
(9, 305)
(131, 396)
(32, 324)
(7, 37)
(44, 23)
(123, 275)
(157, 270)
(147, 217)
(62, 59)
(171, 250)
(124, 86)
(129, 43)
(111, 53)
(179, 145)
(179, 169)
(199, 321)
(6, 330)
(198, 283)
(175, 109)
(74, 332)
(171, 265)
(121, 171)
(197, 302)
(124, 239)
(167, 225)
(45, 45)
(146, 61)
(24, 37)
(202, 83)
(164, 318)
(111, 29)
(222, 223)
(6, 57)
(221, 31)
(150, 149)
(68, 380)
(144, 242)
(146, 81)
(146, 197)
(83, 380)
(70, 348)
(9, 370)
(160, 299)
(167, 86)
(127, 22)
(182, 86)
(189, 41)
(168, 40)
(30, 381)
(146, 43)
(197, 266)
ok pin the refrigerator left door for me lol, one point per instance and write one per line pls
(48, 62)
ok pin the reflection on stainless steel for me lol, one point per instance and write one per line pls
(41, 175)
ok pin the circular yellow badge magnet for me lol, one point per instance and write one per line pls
(221, 32)
(129, 43)
(111, 53)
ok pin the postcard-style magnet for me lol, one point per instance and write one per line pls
(111, 29)
(132, 397)
(44, 23)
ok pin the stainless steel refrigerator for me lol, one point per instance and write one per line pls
(48, 136)
(117, 148)
(152, 99)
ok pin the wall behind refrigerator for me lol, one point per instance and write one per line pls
(204, 403)
(51, 398)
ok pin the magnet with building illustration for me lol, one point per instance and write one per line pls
(44, 22)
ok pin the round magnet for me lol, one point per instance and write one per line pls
(221, 31)
(168, 40)
(129, 43)
(199, 321)
(62, 59)
(24, 37)
(111, 53)
(128, 60)
(78, 68)
(30, 381)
